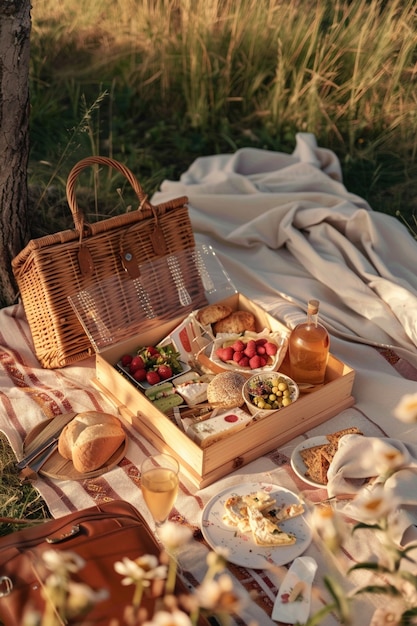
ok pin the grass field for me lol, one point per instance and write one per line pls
(156, 83)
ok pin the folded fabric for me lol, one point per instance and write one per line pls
(364, 462)
(286, 225)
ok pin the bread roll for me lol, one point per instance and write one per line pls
(236, 323)
(225, 390)
(213, 313)
(90, 439)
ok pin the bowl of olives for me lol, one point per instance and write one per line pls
(267, 392)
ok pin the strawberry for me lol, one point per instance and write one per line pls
(140, 375)
(244, 362)
(152, 351)
(225, 354)
(238, 346)
(153, 377)
(137, 363)
(255, 362)
(250, 349)
(164, 371)
(271, 348)
(126, 360)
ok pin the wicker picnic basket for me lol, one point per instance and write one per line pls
(51, 269)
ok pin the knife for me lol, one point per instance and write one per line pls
(27, 460)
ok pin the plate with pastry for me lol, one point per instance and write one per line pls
(89, 444)
(256, 523)
(311, 459)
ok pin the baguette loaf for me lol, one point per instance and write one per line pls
(90, 440)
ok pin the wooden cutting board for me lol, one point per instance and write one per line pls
(56, 466)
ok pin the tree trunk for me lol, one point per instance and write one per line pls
(15, 27)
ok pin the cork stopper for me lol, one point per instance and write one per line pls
(313, 307)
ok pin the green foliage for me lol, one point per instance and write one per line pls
(17, 501)
(169, 80)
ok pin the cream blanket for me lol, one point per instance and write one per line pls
(287, 229)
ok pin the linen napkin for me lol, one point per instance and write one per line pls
(295, 610)
(360, 462)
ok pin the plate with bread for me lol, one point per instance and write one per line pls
(256, 523)
(311, 459)
(89, 444)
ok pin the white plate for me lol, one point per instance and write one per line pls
(242, 549)
(298, 464)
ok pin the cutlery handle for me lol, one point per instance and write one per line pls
(35, 453)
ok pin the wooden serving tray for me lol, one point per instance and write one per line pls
(56, 466)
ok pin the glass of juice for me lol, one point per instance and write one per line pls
(159, 484)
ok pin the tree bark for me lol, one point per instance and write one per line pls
(15, 28)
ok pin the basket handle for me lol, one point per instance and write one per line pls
(77, 213)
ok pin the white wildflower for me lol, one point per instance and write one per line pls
(385, 617)
(165, 618)
(62, 561)
(81, 598)
(406, 409)
(174, 536)
(375, 504)
(143, 569)
(329, 526)
(219, 596)
(387, 457)
(218, 557)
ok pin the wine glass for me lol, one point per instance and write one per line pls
(159, 484)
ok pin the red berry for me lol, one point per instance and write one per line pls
(238, 346)
(152, 350)
(255, 362)
(165, 371)
(260, 350)
(137, 363)
(140, 375)
(244, 362)
(271, 348)
(126, 360)
(225, 354)
(261, 341)
(153, 377)
(237, 356)
(250, 349)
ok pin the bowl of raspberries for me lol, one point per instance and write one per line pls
(249, 353)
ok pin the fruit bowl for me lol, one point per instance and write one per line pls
(250, 353)
(267, 392)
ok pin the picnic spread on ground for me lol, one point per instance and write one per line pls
(284, 230)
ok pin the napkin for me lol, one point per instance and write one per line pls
(295, 611)
(359, 463)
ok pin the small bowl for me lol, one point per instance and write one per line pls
(263, 386)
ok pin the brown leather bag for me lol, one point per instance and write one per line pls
(101, 535)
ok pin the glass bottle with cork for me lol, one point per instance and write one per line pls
(308, 348)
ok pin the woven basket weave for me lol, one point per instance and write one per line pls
(52, 268)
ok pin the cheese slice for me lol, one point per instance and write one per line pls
(258, 513)
(221, 425)
(265, 532)
(193, 392)
(288, 511)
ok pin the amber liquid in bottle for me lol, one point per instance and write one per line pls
(308, 348)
